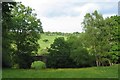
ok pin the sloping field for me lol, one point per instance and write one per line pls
(44, 45)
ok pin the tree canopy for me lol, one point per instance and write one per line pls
(24, 30)
(99, 34)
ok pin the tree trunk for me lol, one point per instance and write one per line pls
(110, 63)
(97, 63)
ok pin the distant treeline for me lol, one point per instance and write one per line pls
(61, 33)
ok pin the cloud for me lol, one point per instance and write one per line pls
(86, 8)
(52, 8)
(67, 15)
(108, 15)
(62, 24)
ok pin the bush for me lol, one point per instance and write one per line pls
(38, 65)
(16, 66)
(45, 40)
(82, 58)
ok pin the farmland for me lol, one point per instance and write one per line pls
(44, 45)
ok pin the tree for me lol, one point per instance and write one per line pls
(59, 54)
(79, 53)
(114, 22)
(99, 36)
(45, 40)
(96, 36)
(26, 29)
(7, 50)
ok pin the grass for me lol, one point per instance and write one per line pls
(92, 72)
(43, 44)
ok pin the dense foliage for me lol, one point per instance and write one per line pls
(79, 53)
(24, 30)
(59, 54)
(101, 37)
(6, 36)
(98, 43)
(70, 53)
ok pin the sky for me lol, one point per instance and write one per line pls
(67, 15)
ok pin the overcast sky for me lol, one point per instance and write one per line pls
(67, 15)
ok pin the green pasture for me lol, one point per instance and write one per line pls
(91, 72)
(44, 45)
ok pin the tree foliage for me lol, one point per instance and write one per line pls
(99, 33)
(23, 29)
(79, 53)
(59, 54)
(6, 35)
(26, 29)
(69, 53)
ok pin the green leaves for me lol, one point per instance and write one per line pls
(24, 31)
(100, 34)
(78, 52)
(7, 50)
(58, 56)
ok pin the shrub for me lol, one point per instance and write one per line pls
(45, 40)
(38, 65)
(16, 66)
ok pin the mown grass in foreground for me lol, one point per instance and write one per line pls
(92, 72)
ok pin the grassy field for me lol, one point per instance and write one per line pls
(43, 44)
(92, 72)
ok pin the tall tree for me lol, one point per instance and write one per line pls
(96, 36)
(25, 30)
(114, 22)
(101, 37)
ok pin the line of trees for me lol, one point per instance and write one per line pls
(96, 46)
(61, 33)
(68, 54)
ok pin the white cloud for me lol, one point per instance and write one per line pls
(86, 8)
(108, 15)
(42, 6)
(67, 22)
(62, 24)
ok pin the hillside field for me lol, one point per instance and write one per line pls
(44, 45)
